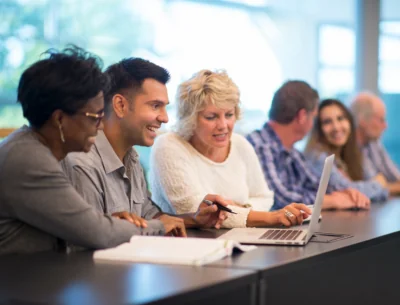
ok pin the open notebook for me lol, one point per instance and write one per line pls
(171, 250)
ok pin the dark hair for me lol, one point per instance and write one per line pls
(128, 75)
(65, 80)
(350, 153)
(290, 98)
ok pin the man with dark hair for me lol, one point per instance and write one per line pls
(110, 175)
(293, 108)
(290, 99)
(62, 98)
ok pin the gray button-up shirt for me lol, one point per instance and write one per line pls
(39, 207)
(107, 183)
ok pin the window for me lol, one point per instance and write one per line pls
(389, 56)
(389, 69)
(336, 60)
(260, 43)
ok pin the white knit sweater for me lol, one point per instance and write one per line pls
(180, 177)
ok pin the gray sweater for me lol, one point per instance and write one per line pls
(39, 208)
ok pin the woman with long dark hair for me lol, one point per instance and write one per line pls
(334, 133)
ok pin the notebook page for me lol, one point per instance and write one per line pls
(171, 250)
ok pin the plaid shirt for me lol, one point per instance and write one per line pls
(286, 171)
(377, 160)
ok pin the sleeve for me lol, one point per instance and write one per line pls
(261, 198)
(284, 194)
(150, 209)
(87, 184)
(390, 170)
(370, 188)
(316, 161)
(172, 176)
(42, 197)
(369, 170)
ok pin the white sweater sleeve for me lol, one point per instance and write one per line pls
(261, 198)
(172, 176)
(174, 179)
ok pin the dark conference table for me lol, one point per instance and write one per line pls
(57, 278)
(364, 269)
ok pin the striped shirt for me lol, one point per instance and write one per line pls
(286, 171)
(377, 161)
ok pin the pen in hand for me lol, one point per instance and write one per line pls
(220, 206)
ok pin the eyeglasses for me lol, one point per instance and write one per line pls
(95, 116)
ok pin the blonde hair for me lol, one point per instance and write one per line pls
(203, 88)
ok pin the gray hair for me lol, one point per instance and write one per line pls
(203, 88)
(362, 106)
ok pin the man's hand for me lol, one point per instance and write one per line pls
(132, 218)
(361, 201)
(209, 216)
(173, 225)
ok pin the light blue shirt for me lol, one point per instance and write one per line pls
(372, 189)
(377, 161)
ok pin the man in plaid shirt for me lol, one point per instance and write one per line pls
(292, 113)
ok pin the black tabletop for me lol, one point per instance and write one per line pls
(368, 227)
(55, 278)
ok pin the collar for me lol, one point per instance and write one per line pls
(273, 138)
(371, 144)
(108, 157)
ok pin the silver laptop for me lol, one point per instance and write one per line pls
(286, 236)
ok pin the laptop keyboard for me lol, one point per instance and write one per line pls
(281, 234)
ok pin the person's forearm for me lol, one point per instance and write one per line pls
(258, 219)
(329, 202)
(188, 219)
(394, 188)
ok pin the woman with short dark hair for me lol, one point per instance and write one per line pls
(62, 98)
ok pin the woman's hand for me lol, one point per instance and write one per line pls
(209, 216)
(381, 180)
(290, 215)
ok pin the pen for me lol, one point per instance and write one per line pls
(220, 206)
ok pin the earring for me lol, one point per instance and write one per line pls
(61, 133)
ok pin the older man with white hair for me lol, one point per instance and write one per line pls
(370, 115)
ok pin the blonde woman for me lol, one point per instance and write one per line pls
(205, 156)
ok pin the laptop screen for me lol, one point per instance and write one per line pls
(319, 199)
